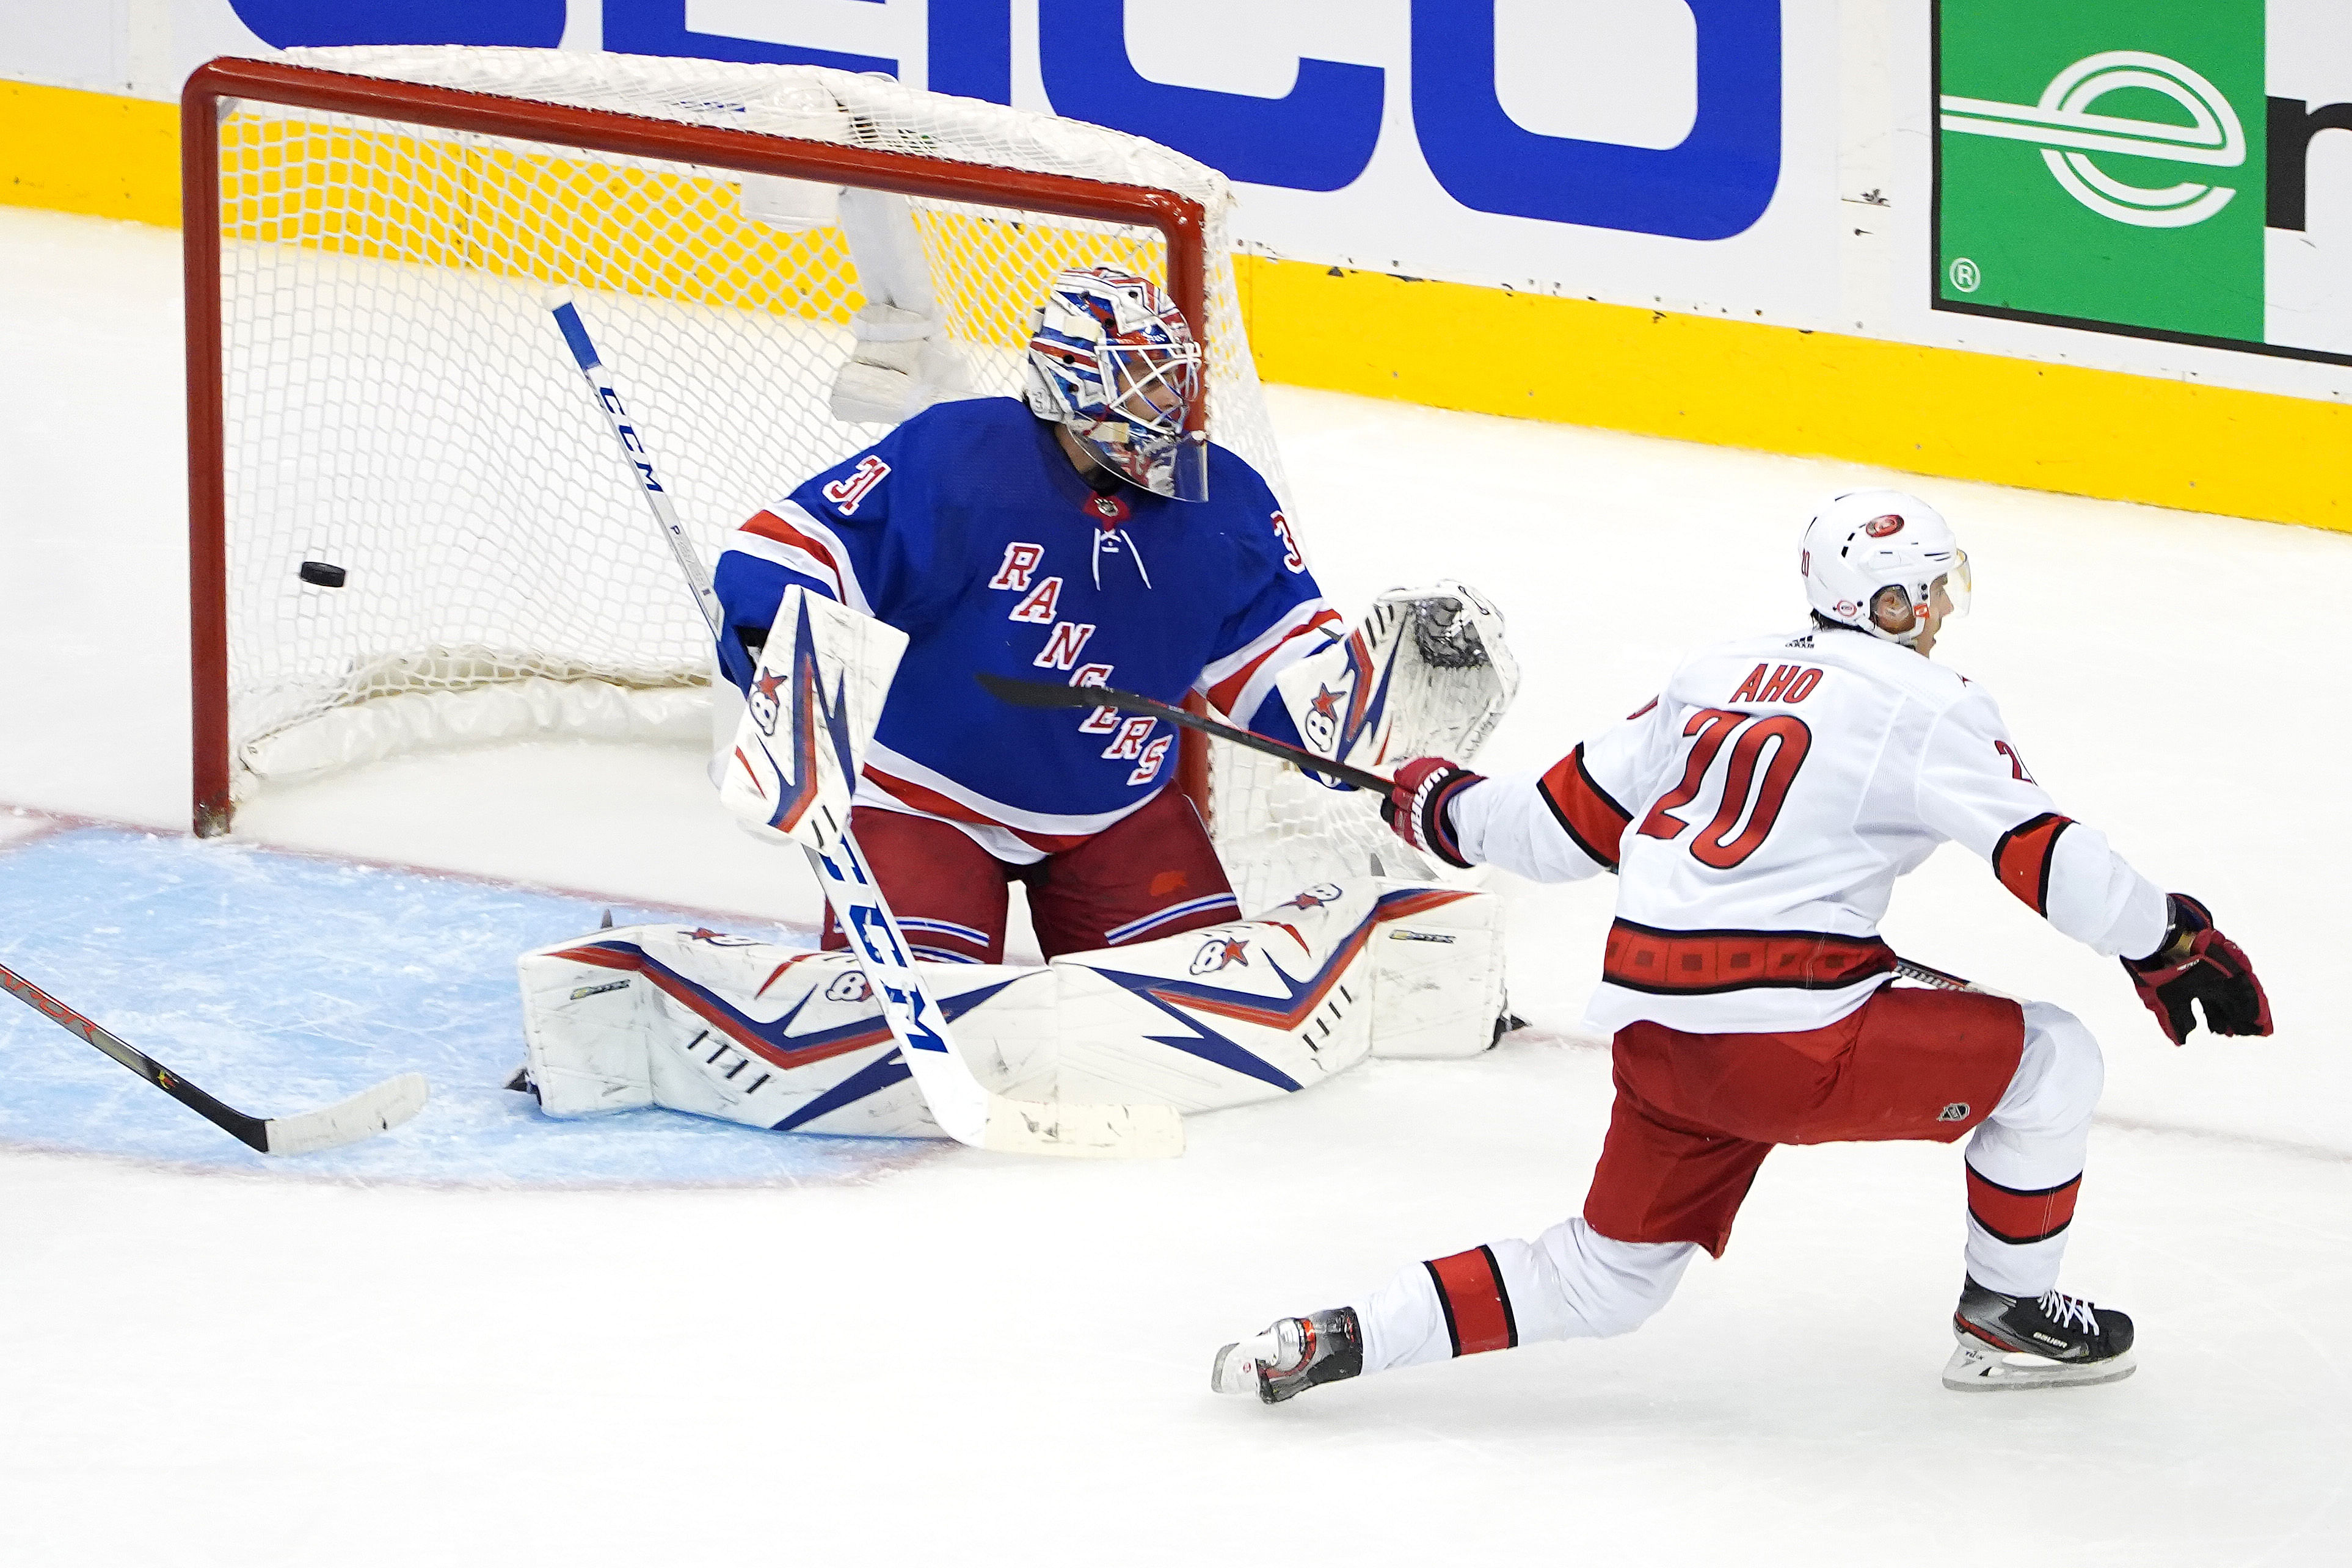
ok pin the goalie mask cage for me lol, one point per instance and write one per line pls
(375, 387)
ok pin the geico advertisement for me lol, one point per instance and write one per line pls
(2162, 186)
(1669, 152)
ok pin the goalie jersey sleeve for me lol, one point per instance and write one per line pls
(1759, 814)
(968, 529)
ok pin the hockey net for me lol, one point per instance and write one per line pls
(381, 228)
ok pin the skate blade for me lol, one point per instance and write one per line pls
(1976, 1367)
(1233, 1372)
(1237, 1371)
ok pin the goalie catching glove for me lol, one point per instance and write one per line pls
(2197, 963)
(1417, 803)
(1426, 672)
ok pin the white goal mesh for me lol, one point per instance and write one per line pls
(398, 406)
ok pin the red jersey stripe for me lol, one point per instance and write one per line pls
(2021, 859)
(1642, 958)
(933, 803)
(1584, 811)
(1227, 692)
(769, 526)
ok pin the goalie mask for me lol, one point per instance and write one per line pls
(1873, 559)
(1113, 359)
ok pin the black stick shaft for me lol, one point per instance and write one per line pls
(250, 1131)
(1046, 694)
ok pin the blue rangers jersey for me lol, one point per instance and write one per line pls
(968, 529)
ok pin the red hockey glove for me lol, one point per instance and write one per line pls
(2197, 963)
(1416, 805)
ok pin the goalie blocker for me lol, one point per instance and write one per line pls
(788, 1039)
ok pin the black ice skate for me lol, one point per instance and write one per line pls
(1291, 1355)
(2020, 1342)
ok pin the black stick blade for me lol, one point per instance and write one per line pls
(1048, 693)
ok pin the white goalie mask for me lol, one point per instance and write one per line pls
(1112, 359)
(1872, 559)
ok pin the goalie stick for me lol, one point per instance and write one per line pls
(364, 1115)
(1047, 693)
(965, 1109)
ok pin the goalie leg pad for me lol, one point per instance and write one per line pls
(1255, 1009)
(1437, 975)
(787, 1039)
(746, 1032)
(1222, 1016)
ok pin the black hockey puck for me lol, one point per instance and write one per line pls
(324, 574)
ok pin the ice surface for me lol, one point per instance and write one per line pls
(997, 1361)
(282, 982)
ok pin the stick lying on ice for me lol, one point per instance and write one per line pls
(364, 1115)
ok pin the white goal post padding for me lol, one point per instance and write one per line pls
(395, 404)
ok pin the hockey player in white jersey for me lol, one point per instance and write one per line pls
(1758, 812)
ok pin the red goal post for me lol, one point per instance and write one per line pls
(216, 90)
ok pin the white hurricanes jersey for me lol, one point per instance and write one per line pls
(1757, 813)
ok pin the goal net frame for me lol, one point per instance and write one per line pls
(215, 89)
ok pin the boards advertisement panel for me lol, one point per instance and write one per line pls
(2151, 188)
(2128, 167)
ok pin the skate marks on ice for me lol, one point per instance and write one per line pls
(281, 981)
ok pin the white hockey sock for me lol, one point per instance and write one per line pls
(2025, 1163)
(1570, 1282)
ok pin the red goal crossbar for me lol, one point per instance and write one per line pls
(212, 91)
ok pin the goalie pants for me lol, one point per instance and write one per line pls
(1151, 873)
(1694, 1118)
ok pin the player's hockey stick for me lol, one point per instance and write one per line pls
(364, 1115)
(965, 1108)
(1920, 974)
(1047, 693)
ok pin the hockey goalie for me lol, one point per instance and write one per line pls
(1080, 535)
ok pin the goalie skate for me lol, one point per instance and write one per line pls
(2020, 1342)
(1292, 1355)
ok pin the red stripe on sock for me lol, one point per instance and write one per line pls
(2021, 1217)
(1478, 1312)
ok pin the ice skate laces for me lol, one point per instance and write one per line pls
(2070, 1313)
